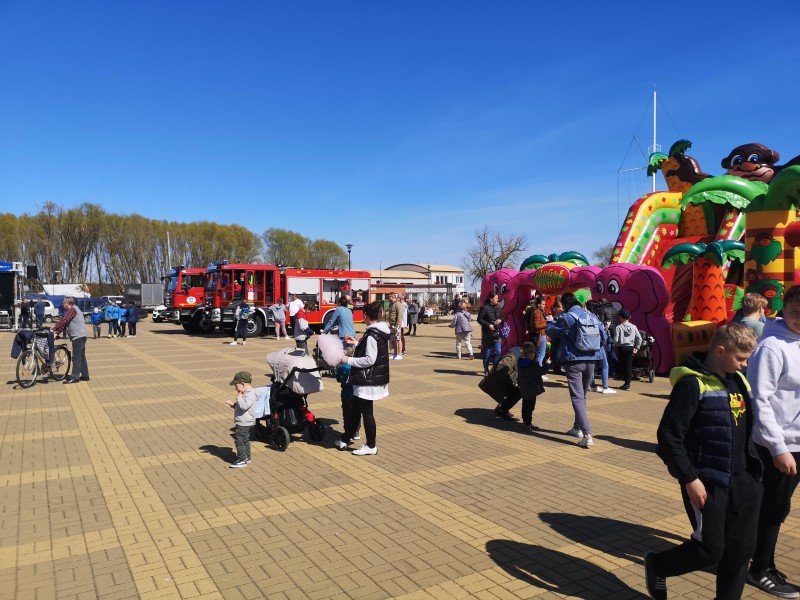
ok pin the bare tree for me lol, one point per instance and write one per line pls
(492, 251)
(602, 255)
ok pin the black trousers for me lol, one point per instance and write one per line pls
(347, 414)
(79, 366)
(512, 397)
(775, 507)
(528, 405)
(625, 355)
(724, 535)
(240, 331)
(132, 327)
(360, 409)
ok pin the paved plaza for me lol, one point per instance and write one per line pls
(120, 488)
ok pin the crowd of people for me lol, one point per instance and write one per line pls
(730, 432)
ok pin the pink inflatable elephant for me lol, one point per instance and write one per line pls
(515, 291)
(641, 291)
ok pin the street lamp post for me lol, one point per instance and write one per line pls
(349, 249)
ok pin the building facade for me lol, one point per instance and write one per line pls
(429, 284)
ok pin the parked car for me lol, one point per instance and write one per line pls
(160, 314)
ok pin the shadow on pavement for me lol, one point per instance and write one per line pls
(223, 453)
(557, 572)
(487, 418)
(659, 396)
(629, 444)
(618, 538)
(457, 372)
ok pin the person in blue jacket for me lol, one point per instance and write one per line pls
(97, 321)
(133, 318)
(123, 318)
(343, 317)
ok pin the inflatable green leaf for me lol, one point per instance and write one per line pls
(533, 262)
(725, 189)
(783, 194)
(656, 158)
(679, 148)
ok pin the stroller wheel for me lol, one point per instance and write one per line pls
(280, 439)
(316, 431)
(651, 375)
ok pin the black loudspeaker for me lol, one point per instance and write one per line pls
(32, 272)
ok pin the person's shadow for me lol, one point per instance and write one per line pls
(487, 418)
(557, 572)
(629, 444)
(224, 453)
(618, 538)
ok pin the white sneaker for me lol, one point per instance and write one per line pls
(545, 378)
(286, 338)
(575, 432)
(399, 357)
(606, 391)
(366, 451)
(357, 436)
(341, 445)
(586, 442)
(233, 344)
(244, 343)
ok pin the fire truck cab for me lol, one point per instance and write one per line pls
(184, 292)
(227, 285)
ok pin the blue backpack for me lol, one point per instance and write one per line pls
(587, 333)
(244, 312)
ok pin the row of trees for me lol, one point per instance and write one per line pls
(88, 244)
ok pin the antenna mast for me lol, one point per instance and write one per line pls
(656, 147)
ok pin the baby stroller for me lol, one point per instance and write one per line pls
(285, 402)
(643, 359)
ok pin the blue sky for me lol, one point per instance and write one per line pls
(399, 127)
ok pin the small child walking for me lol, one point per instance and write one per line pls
(627, 341)
(704, 438)
(97, 322)
(243, 418)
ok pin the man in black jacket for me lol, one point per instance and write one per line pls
(490, 317)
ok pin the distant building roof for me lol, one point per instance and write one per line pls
(424, 268)
(397, 275)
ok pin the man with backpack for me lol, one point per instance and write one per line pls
(241, 316)
(582, 340)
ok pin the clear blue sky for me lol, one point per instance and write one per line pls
(399, 127)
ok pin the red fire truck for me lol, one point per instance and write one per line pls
(261, 286)
(184, 293)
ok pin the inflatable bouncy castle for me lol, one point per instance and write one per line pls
(684, 257)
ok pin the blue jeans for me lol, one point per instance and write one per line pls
(541, 350)
(603, 370)
(493, 350)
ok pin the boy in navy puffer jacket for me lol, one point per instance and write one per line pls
(704, 438)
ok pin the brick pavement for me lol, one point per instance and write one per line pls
(119, 488)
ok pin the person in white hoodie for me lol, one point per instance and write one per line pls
(774, 374)
(369, 375)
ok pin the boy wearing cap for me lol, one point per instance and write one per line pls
(627, 341)
(243, 418)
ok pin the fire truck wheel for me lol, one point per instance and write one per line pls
(187, 327)
(201, 325)
(254, 327)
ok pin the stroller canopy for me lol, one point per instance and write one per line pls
(295, 369)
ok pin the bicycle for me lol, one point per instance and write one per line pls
(33, 360)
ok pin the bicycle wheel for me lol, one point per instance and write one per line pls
(62, 361)
(27, 368)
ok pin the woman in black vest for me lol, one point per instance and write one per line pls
(369, 375)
